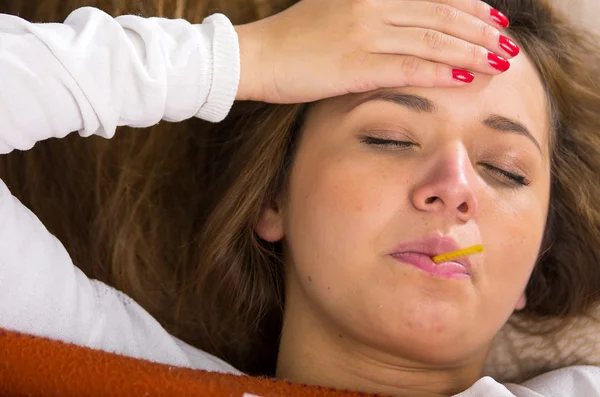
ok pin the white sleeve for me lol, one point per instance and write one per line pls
(93, 73)
(42, 293)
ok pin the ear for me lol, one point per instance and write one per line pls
(522, 302)
(270, 224)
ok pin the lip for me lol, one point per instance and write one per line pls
(419, 253)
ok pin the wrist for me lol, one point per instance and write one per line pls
(250, 86)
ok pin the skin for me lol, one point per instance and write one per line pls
(370, 44)
(356, 318)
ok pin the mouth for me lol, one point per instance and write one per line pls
(419, 253)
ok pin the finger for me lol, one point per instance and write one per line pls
(439, 47)
(454, 22)
(478, 9)
(388, 71)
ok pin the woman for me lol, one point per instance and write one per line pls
(341, 203)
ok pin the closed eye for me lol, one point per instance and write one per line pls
(386, 143)
(509, 177)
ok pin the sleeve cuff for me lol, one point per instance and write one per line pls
(225, 69)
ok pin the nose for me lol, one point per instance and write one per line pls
(447, 186)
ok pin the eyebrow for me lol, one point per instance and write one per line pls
(413, 102)
(421, 104)
(504, 124)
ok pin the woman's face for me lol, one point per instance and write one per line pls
(381, 179)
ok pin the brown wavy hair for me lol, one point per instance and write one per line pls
(167, 214)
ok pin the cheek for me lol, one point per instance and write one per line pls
(338, 206)
(512, 231)
(333, 203)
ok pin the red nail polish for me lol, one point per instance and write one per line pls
(498, 62)
(463, 75)
(499, 18)
(509, 46)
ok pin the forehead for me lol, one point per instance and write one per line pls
(518, 94)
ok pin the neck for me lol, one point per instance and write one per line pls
(313, 354)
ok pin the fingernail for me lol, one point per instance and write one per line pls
(509, 46)
(463, 75)
(498, 62)
(499, 18)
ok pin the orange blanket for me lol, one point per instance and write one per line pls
(36, 367)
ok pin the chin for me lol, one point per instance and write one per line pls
(425, 330)
(429, 346)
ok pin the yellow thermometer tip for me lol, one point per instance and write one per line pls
(458, 254)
